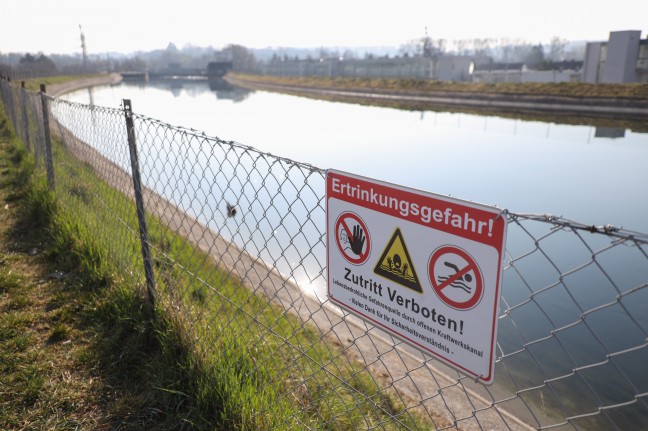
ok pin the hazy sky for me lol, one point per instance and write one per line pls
(52, 26)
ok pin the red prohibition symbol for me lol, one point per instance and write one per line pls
(352, 238)
(455, 277)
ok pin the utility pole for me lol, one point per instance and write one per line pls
(85, 53)
(427, 45)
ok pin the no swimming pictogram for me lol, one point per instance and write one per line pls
(352, 237)
(455, 277)
(435, 282)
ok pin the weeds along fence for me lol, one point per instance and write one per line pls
(229, 241)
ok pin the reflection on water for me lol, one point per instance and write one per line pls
(91, 96)
(578, 172)
(609, 132)
(548, 326)
(192, 87)
(532, 167)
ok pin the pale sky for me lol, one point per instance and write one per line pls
(52, 26)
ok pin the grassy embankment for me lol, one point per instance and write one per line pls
(76, 351)
(34, 84)
(78, 347)
(569, 89)
(574, 90)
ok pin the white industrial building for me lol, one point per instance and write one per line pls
(444, 68)
(622, 59)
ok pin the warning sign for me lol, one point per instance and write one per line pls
(456, 278)
(396, 265)
(436, 282)
(353, 239)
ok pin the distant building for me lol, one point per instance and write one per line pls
(498, 72)
(444, 68)
(218, 69)
(560, 71)
(623, 58)
(456, 68)
(609, 132)
(402, 67)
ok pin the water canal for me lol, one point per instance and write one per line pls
(593, 175)
(589, 174)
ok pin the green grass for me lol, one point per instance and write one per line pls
(214, 356)
(77, 350)
(9, 279)
(33, 84)
(26, 367)
(254, 354)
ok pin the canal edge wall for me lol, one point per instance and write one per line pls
(623, 108)
(56, 90)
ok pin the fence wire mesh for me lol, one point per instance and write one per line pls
(237, 239)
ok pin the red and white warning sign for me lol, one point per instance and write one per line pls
(434, 280)
(456, 278)
(352, 237)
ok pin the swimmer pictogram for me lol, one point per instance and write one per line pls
(435, 280)
(455, 277)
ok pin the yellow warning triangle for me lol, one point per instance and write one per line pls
(396, 265)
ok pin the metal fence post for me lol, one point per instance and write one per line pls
(139, 202)
(11, 112)
(48, 142)
(23, 102)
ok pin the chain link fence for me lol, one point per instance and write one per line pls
(230, 242)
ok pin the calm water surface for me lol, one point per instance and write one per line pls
(523, 166)
(590, 175)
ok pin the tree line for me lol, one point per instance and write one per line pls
(483, 51)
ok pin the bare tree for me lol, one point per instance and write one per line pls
(460, 47)
(349, 55)
(483, 50)
(38, 65)
(243, 60)
(575, 52)
(433, 48)
(411, 48)
(507, 52)
(535, 59)
(557, 49)
(134, 64)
